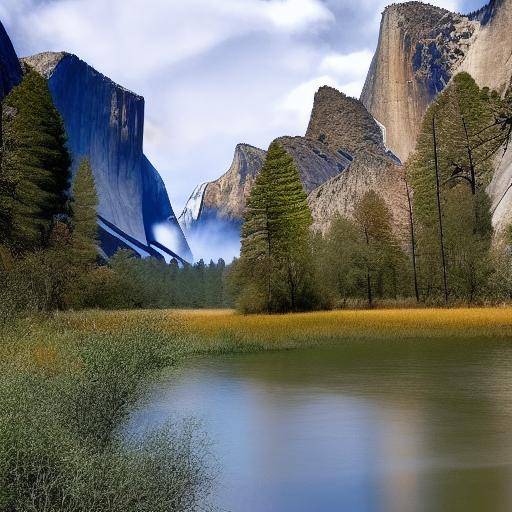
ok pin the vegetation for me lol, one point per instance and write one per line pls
(64, 397)
(275, 271)
(35, 164)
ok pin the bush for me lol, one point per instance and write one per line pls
(62, 406)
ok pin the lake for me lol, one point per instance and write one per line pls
(362, 427)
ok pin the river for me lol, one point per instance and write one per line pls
(361, 427)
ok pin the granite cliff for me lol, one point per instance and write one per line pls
(10, 69)
(105, 123)
(420, 49)
(344, 125)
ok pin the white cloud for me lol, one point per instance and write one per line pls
(128, 38)
(352, 65)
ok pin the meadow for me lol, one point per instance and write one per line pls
(69, 381)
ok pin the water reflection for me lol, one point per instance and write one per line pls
(394, 427)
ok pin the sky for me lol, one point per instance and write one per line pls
(214, 73)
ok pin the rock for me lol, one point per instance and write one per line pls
(420, 48)
(224, 200)
(10, 69)
(489, 58)
(345, 126)
(315, 162)
(105, 123)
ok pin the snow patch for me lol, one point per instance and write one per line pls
(193, 207)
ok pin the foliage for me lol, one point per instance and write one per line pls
(467, 138)
(63, 400)
(84, 212)
(275, 270)
(35, 165)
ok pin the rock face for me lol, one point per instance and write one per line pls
(10, 69)
(420, 48)
(105, 123)
(489, 58)
(344, 125)
(224, 200)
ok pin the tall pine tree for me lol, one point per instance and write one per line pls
(449, 172)
(35, 165)
(275, 267)
(84, 208)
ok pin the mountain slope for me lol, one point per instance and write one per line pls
(105, 123)
(10, 69)
(344, 125)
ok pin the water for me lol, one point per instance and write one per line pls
(366, 427)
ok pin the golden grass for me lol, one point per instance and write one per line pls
(225, 330)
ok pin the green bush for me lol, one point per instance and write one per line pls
(63, 403)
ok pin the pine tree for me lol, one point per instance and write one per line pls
(84, 211)
(35, 165)
(458, 139)
(276, 262)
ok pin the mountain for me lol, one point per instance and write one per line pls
(10, 69)
(223, 201)
(344, 125)
(105, 123)
(420, 48)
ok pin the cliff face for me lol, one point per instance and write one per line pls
(345, 126)
(10, 69)
(420, 48)
(489, 59)
(224, 200)
(105, 123)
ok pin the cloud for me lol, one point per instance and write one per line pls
(128, 38)
(345, 72)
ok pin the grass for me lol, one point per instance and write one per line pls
(220, 331)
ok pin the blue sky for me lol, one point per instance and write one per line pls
(214, 72)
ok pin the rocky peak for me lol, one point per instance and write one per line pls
(226, 196)
(341, 122)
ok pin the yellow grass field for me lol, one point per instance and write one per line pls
(225, 331)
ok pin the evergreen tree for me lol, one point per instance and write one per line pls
(35, 165)
(275, 267)
(449, 171)
(84, 211)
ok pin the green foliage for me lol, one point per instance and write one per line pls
(35, 165)
(84, 212)
(63, 402)
(468, 136)
(275, 271)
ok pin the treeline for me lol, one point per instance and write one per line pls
(48, 230)
(448, 253)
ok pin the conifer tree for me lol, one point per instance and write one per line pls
(35, 165)
(84, 211)
(455, 147)
(275, 263)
